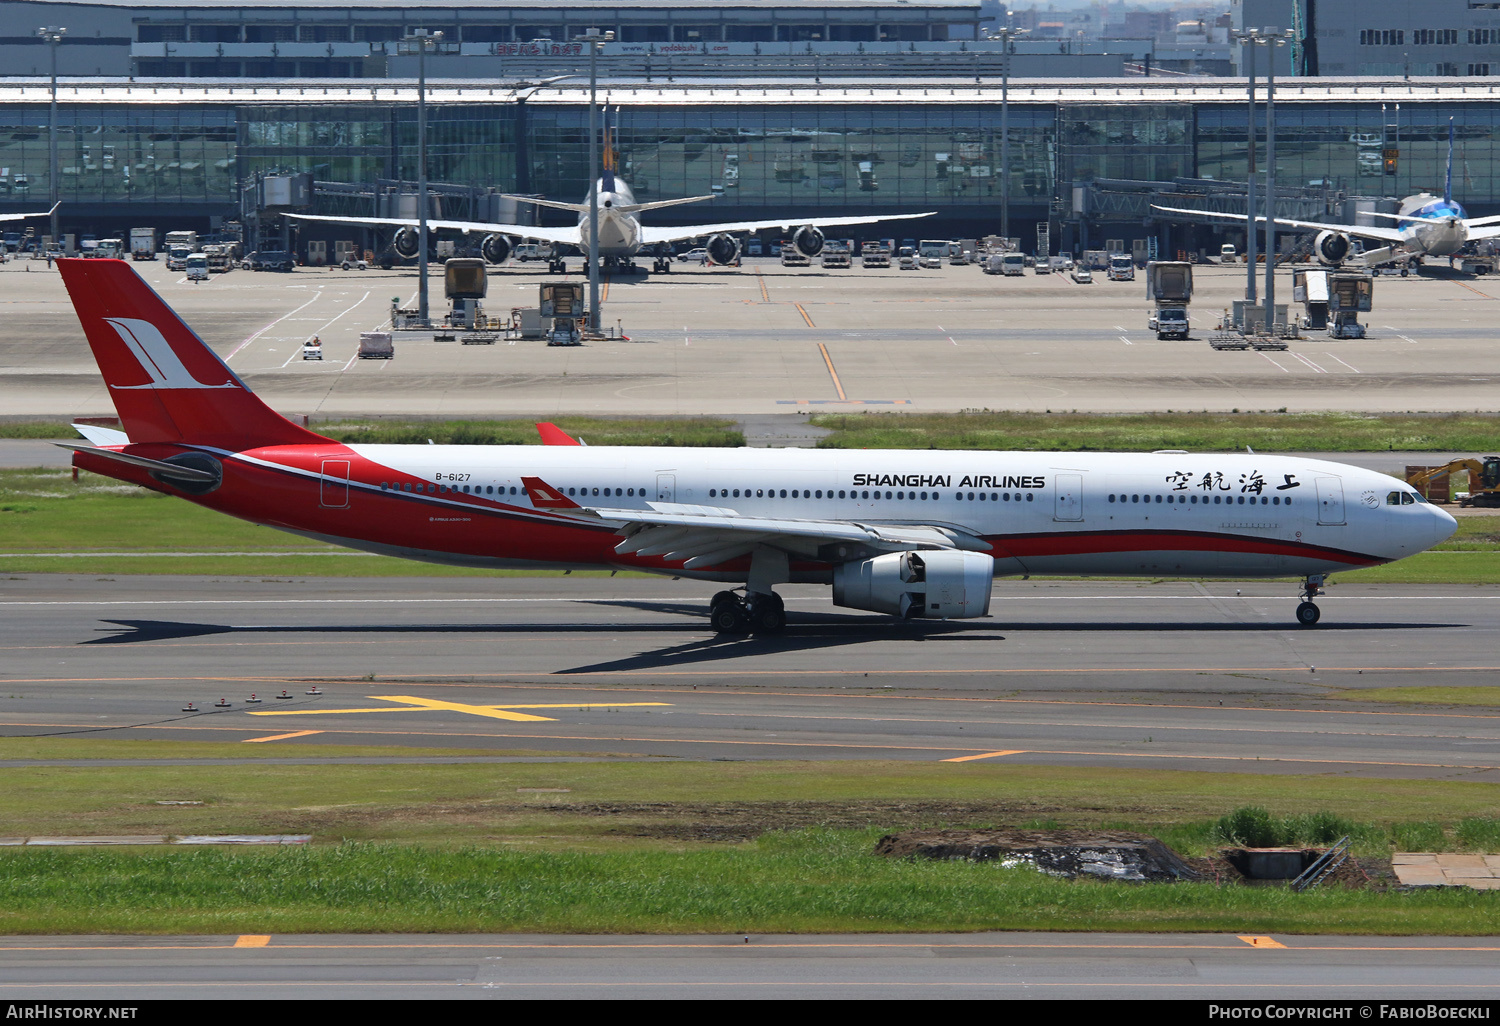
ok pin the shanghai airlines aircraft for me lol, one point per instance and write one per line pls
(909, 533)
(1426, 226)
(621, 235)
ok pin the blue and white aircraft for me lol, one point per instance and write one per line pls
(1426, 225)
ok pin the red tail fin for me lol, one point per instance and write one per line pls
(554, 435)
(167, 385)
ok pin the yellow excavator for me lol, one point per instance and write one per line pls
(1484, 479)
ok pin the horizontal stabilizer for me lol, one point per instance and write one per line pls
(173, 471)
(636, 208)
(101, 435)
(577, 208)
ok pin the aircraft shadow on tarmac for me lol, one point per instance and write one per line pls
(805, 632)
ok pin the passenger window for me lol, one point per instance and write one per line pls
(841, 493)
(1029, 496)
(1158, 499)
(818, 494)
(783, 493)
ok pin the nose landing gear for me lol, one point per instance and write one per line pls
(1307, 610)
(755, 614)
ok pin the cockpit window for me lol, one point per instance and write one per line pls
(1393, 499)
(1407, 498)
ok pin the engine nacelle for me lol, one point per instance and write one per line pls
(495, 249)
(808, 241)
(935, 584)
(406, 243)
(723, 249)
(1332, 247)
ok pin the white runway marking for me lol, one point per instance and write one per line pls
(1314, 366)
(273, 324)
(1350, 366)
(1277, 365)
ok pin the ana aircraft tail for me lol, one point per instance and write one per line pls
(167, 385)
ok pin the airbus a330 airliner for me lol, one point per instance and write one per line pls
(909, 533)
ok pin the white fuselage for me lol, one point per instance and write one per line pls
(619, 233)
(1229, 515)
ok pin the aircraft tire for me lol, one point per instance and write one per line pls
(1308, 613)
(729, 618)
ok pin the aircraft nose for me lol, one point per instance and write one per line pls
(1443, 525)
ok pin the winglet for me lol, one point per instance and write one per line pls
(554, 435)
(544, 496)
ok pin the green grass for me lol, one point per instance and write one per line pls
(1436, 567)
(1198, 432)
(1478, 695)
(53, 429)
(690, 431)
(812, 881)
(461, 849)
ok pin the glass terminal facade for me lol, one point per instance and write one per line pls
(757, 159)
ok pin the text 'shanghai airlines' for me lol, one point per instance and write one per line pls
(1426, 226)
(622, 236)
(908, 533)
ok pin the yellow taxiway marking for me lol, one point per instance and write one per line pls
(760, 280)
(251, 940)
(987, 755)
(280, 737)
(828, 360)
(494, 712)
(801, 310)
(1262, 942)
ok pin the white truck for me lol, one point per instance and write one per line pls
(1013, 264)
(177, 257)
(143, 244)
(931, 253)
(186, 240)
(1169, 285)
(197, 267)
(376, 345)
(1121, 267)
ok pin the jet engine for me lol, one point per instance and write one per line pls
(936, 584)
(723, 249)
(405, 243)
(1332, 247)
(808, 240)
(495, 248)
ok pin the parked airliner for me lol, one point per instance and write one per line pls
(622, 236)
(915, 534)
(1425, 226)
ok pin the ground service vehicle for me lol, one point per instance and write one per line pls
(931, 253)
(185, 240)
(1484, 481)
(1226, 253)
(1310, 288)
(1121, 267)
(270, 260)
(1169, 285)
(1013, 264)
(218, 259)
(835, 255)
(1082, 275)
(1349, 295)
(791, 256)
(906, 259)
(143, 243)
(197, 267)
(376, 345)
(913, 534)
(875, 254)
(177, 258)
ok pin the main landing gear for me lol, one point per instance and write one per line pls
(1307, 610)
(557, 266)
(661, 265)
(756, 613)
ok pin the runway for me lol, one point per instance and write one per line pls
(1171, 675)
(1284, 969)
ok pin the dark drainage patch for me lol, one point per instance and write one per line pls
(1110, 855)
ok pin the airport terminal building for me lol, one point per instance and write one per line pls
(1084, 156)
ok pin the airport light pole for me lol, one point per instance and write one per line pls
(53, 36)
(1249, 38)
(1006, 34)
(595, 39)
(1273, 38)
(422, 41)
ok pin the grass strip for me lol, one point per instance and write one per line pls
(1478, 695)
(661, 803)
(668, 431)
(1197, 432)
(812, 881)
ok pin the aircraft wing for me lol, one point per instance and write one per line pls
(703, 536)
(652, 236)
(22, 217)
(1490, 232)
(568, 236)
(1359, 231)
